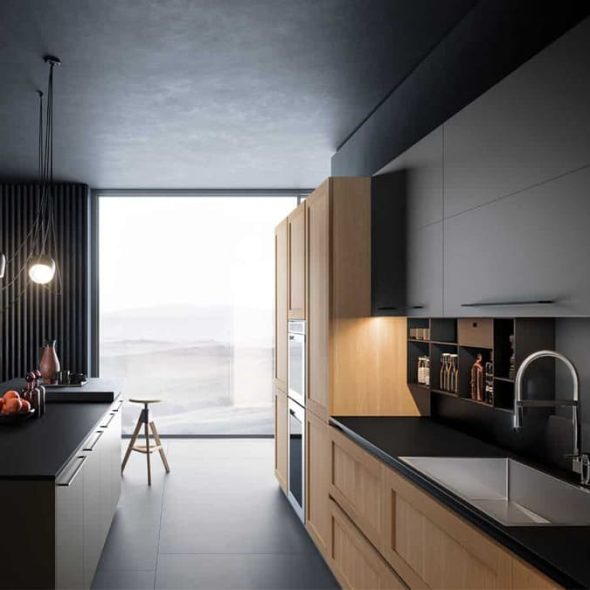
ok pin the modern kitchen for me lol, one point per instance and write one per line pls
(295, 295)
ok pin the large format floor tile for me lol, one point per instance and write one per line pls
(217, 521)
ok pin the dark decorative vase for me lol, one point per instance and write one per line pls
(49, 364)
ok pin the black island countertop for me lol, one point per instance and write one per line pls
(40, 447)
(561, 552)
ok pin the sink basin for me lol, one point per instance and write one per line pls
(508, 491)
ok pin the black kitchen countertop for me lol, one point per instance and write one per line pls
(94, 390)
(561, 552)
(40, 447)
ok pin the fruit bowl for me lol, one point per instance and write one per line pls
(14, 418)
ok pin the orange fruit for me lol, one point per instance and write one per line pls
(11, 395)
(25, 406)
(12, 405)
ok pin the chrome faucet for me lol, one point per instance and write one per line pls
(580, 461)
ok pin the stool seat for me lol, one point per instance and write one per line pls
(147, 449)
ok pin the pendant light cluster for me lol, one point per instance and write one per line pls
(42, 266)
(41, 238)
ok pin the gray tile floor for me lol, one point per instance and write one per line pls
(217, 521)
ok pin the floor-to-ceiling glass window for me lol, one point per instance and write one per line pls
(186, 308)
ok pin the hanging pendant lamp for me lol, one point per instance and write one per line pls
(42, 267)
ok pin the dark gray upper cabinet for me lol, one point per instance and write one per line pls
(531, 127)
(422, 168)
(533, 246)
(407, 232)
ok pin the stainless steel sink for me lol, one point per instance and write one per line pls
(508, 491)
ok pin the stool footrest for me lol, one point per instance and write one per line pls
(143, 448)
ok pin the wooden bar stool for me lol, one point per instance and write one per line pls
(144, 418)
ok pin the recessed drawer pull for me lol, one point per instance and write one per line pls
(90, 447)
(500, 303)
(74, 474)
(106, 424)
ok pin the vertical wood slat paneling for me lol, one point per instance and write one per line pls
(26, 321)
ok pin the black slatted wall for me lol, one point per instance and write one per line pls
(31, 313)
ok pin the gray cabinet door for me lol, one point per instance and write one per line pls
(531, 246)
(530, 127)
(92, 514)
(424, 283)
(69, 527)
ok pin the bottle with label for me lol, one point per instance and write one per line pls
(427, 371)
(421, 370)
(453, 373)
(489, 396)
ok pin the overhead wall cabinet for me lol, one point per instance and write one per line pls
(297, 263)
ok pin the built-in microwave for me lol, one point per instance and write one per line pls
(296, 361)
(296, 457)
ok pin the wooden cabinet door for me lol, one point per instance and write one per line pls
(524, 577)
(69, 527)
(430, 547)
(353, 560)
(317, 519)
(297, 263)
(318, 324)
(281, 304)
(532, 246)
(356, 484)
(281, 438)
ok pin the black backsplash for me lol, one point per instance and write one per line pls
(545, 436)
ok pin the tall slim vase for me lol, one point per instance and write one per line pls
(49, 364)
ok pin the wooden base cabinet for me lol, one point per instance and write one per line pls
(425, 543)
(354, 561)
(281, 438)
(317, 520)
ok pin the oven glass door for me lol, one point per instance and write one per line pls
(296, 367)
(297, 457)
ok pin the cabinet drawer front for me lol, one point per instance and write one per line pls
(476, 332)
(431, 547)
(356, 484)
(354, 561)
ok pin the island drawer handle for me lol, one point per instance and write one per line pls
(106, 424)
(90, 447)
(74, 474)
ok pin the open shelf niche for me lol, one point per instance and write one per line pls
(496, 339)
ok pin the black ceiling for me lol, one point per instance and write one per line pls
(204, 93)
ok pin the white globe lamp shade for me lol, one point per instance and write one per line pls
(41, 269)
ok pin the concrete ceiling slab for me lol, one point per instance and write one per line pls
(204, 93)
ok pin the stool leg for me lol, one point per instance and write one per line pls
(159, 443)
(131, 443)
(147, 444)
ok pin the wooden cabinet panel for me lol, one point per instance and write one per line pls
(281, 304)
(528, 247)
(297, 263)
(524, 577)
(429, 546)
(530, 127)
(281, 438)
(317, 522)
(356, 484)
(354, 561)
(318, 325)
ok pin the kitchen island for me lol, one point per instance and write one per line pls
(59, 487)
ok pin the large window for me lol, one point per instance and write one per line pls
(186, 300)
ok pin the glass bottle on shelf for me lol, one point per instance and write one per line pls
(427, 371)
(420, 370)
(447, 386)
(477, 379)
(454, 373)
(489, 397)
(442, 372)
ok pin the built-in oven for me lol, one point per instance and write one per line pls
(296, 361)
(296, 457)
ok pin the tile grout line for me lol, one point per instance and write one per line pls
(160, 521)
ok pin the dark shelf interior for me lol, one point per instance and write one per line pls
(443, 330)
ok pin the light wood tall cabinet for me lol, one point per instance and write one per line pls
(281, 441)
(297, 236)
(281, 304)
